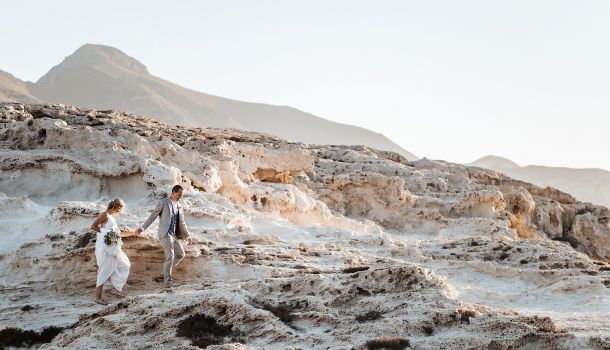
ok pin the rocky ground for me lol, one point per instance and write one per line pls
(296, 246)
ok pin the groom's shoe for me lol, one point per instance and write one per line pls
(158, 278)
(170, 283)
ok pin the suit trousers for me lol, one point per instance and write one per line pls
(174, 253)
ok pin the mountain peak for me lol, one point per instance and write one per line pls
(103, 77)
(102, 55)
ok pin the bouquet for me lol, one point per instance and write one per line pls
(111, 238)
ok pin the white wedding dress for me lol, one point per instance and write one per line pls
(112, 263)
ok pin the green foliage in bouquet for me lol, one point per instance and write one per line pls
(111, 238)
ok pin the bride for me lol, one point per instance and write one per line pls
(112, 263)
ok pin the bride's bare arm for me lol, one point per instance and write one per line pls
(95, 226)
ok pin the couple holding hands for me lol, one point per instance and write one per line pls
(113, 264)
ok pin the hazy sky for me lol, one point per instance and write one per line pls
(453, 80)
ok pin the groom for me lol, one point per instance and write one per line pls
(171, 228)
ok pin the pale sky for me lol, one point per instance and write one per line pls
(453, 80)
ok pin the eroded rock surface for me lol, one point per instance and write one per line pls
(296, 246)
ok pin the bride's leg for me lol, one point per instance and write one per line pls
(117, 292)
(98, 296)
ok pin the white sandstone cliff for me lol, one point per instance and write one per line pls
(296, 246)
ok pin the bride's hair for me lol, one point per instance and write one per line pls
(116, 204)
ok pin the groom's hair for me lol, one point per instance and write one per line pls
(177, 188)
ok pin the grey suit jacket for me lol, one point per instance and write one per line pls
(164, 212)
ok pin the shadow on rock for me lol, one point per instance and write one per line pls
(18, 337)
(203, 331)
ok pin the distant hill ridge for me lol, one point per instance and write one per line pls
(13, 89)
(493, 162)
(592, 185)
(103, 77)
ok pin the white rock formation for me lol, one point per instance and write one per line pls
(296, 246)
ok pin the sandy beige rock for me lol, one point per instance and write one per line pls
(360, 248)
